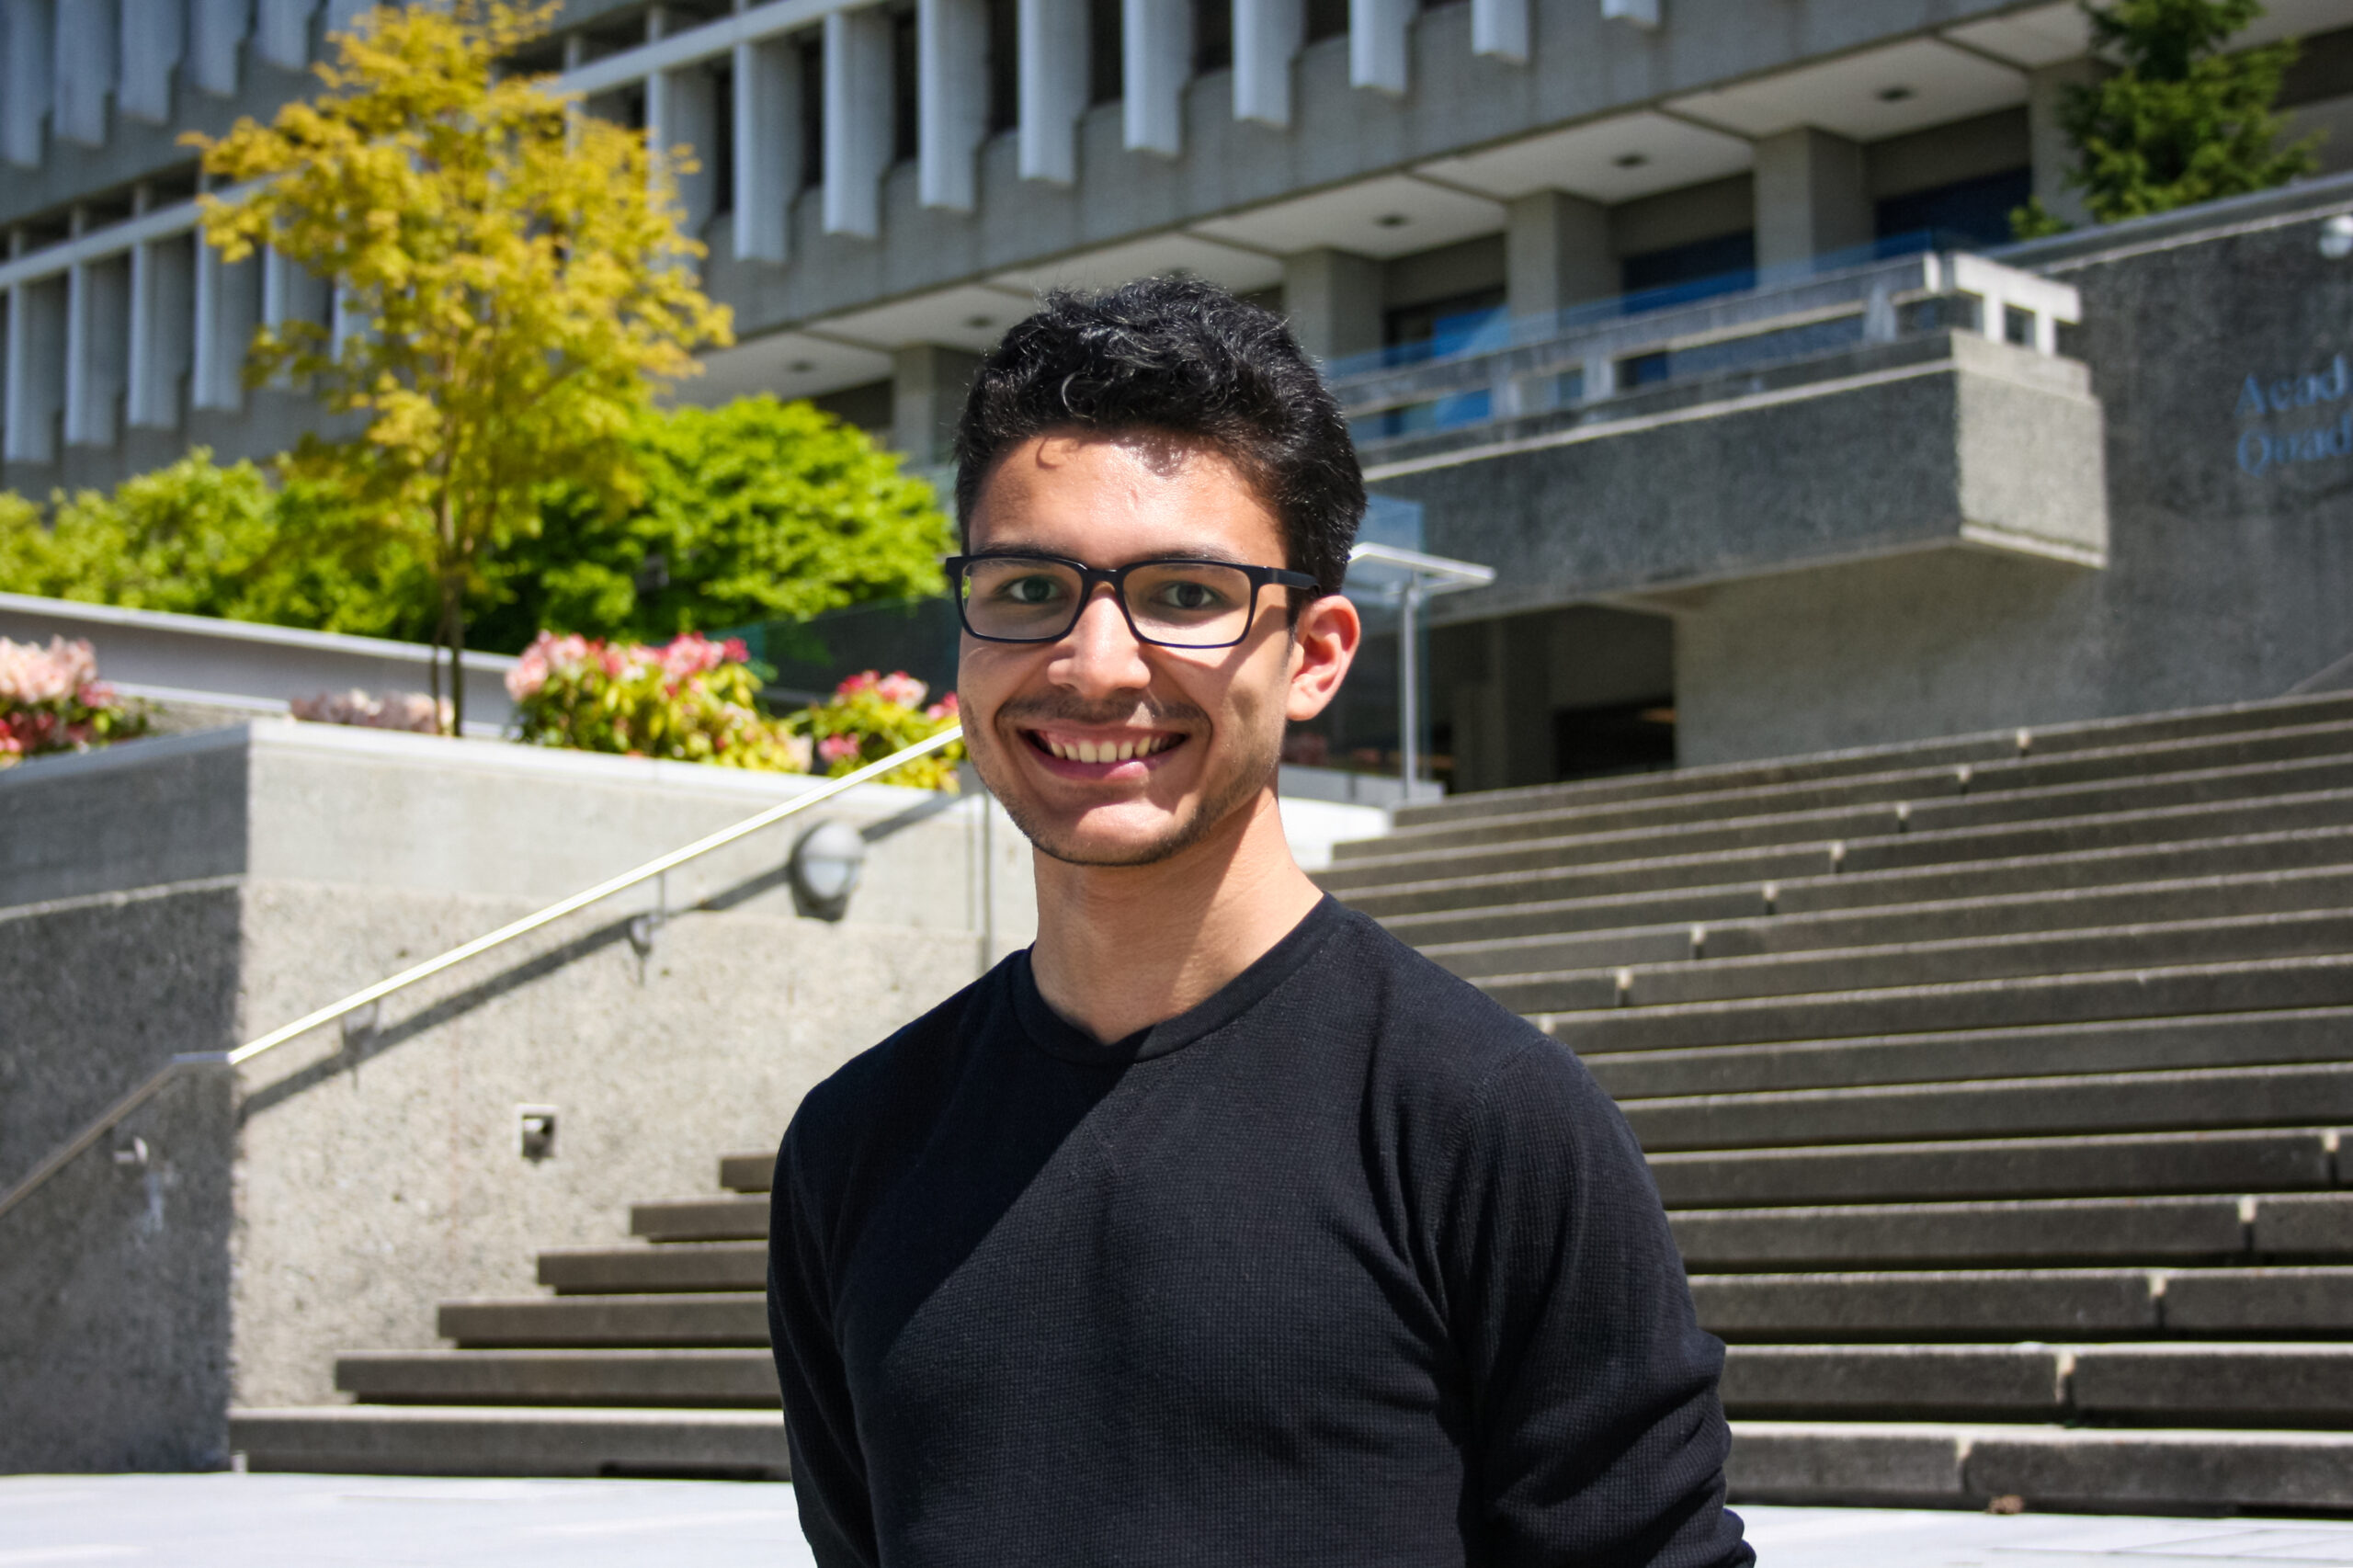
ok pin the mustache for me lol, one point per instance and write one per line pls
(1047, 708)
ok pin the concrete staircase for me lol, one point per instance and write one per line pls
(1995, 1087)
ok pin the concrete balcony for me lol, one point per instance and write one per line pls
(1735, 439)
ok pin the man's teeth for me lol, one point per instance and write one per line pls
(1107, 751)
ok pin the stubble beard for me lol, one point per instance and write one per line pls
(1252, 773)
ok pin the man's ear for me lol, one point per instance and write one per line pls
(1323, 642)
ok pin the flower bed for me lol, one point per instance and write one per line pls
(696, 700)
(53, 700)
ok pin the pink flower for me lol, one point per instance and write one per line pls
(864, 681)
(736, 651)
(838, 748)
(943, 709)
(902, 688)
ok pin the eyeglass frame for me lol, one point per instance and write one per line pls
(1116, 579)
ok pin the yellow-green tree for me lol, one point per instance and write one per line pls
(511, 283)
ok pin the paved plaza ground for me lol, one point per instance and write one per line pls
(255, 1521)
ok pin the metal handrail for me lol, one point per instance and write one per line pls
(369, 995)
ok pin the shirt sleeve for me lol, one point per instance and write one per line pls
(1598, 1434)
(829, 1480)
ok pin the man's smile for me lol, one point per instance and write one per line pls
(1118, 752)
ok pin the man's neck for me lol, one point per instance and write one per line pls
(1122, 948)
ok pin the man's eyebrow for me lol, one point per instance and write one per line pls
(1206, 557)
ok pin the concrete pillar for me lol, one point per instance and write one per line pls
(1267, 38)
(97, 349)
(163, 301)
(341, 14)
(682, 110)
(952, 100)
(34, 389)
(1811, 197)
(927, 387)
(88, 47)
(1378, 32)
(24, 94)
(1332, 298)
(215, 30)
(1052, 36)
(1556, 254)
(1500, 28)
(228, 303)
(859, 119)
(282, 32)
(2054, 154)
(767, 147)
(1156, 61)
(154, 35)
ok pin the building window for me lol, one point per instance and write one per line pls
(1005, 66)
(1976, 211)
(1106, 68)
(721, 157)
(1212, 36)
(1720, 265)
(1616, 737)
(813, 111)
(905, 130)
(1326, 19)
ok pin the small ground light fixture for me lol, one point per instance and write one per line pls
(2337, 237)
(826, 863)
(535, 1132)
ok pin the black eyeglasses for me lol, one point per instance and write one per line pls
(1176, 604)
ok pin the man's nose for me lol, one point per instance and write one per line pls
(1101, 654)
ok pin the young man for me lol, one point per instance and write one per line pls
(1219, 1228)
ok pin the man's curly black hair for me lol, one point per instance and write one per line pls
(1175, 357)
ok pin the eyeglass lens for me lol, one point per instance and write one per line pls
(1179, 604)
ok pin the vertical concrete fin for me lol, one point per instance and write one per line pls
(768, 148)
(228, 302)
(97, 297)
(859, 119)
(24, 104)
(163, 297)
(1052, 75)
(282, 32)
(88, 47)
(1157, 50)
(154, 36)
(1377, 35)
(34, 389)
(682, 110)
(215, 29)
(1500, 28)
(952, 100)
(1267, 38)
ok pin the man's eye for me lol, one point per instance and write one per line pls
(1190, 596)
(1031, 590)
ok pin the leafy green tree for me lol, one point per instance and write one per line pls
(753, 511)
(199, 538)
(510, 275)
(2181, 121)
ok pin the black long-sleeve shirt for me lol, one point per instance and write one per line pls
(1347, 1265)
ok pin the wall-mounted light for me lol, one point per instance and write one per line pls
(826, 862)
(2337, 237)
(535, 1132)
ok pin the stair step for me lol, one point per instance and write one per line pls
(1986, 781)
(2108, 1164)
(2245, 854)
(675, 1379)
(2022, 1303)
(747, 1172)
(2014, 916)
(2199, 1098)
(676, 1265)
(2002, 1002)
(2270, 1038)
(1833, 856)
(1890, 1464)
(714, 1319)
(701, 1219)
(2303, 933)
(475, 1440)
(2046, 1231)
(1403, 860)
(1992, 746)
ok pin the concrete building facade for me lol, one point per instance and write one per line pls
(1695, 317)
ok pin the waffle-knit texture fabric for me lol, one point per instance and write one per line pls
(1346, 1265)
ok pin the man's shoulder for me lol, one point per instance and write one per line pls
(1440, 1040)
